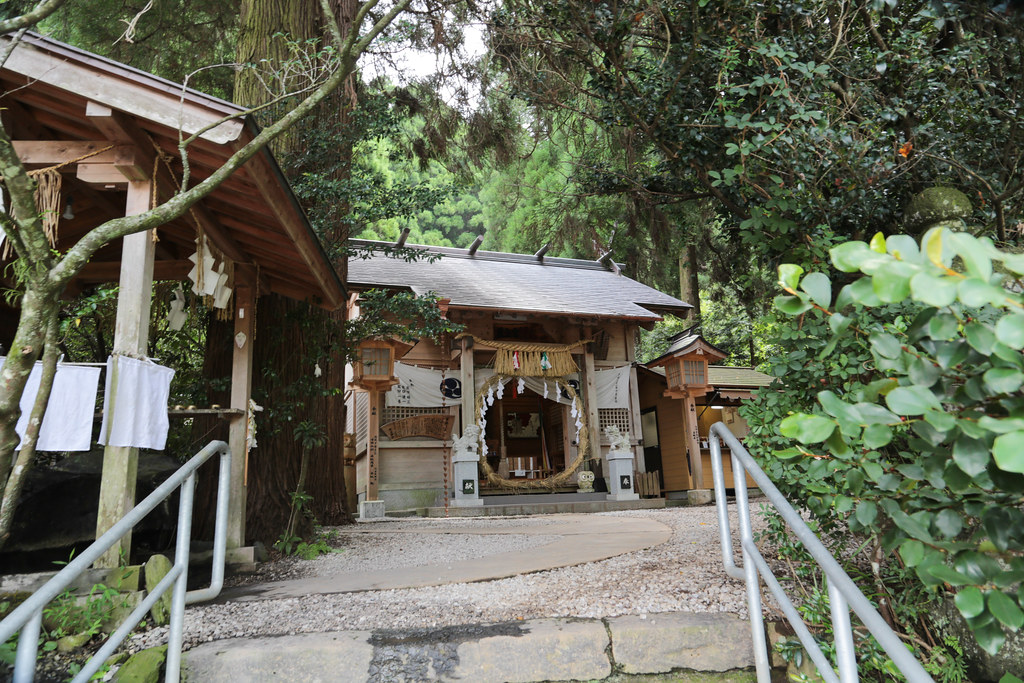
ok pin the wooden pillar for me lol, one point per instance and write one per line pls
(131, 337)
(693, 443)
(468, 379)
(590, 401)
(636, 431)
(241, 391)
(372, 446)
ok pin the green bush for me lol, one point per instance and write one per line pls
(915, 441)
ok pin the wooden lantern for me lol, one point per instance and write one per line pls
(375, 364)
(686, 366)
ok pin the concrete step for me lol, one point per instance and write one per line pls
(611, 649)
(556, 506)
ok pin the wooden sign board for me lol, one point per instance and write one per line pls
(424, 426)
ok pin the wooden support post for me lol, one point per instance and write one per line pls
(636, 431)
(372, 446)
(693, 443)
(590, 401)
(241, 390)
(131, 337)
(468, 379)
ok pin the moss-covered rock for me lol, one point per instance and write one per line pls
(156, 569)
(981, 666)
(143, 667)
(936, 205)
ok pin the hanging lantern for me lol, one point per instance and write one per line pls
(375, 364)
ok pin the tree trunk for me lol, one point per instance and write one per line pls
(288, 333)
(689, 289)
(16, 481)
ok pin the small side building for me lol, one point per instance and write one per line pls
(682, 393)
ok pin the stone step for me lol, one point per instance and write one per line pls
(502, 509)
(614, 648)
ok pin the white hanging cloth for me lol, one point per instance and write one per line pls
(612, 387)
(421, 388)
(135, 404)
(67, 424)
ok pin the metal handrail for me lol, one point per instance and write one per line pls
(28, 616)
(842, 591)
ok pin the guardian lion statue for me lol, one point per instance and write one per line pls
(469, 442)
(618, 440)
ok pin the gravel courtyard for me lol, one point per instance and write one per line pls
(681, 575)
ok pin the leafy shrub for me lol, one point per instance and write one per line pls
(916, 438)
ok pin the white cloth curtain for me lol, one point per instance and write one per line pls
(67, 424)
(421, 388)
(135, 404)
(612, 387)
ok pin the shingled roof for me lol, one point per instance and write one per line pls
(511, 282)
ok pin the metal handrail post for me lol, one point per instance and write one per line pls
(846, 656)
(27, 617)
(722, 508)
(838, 579)
(28, 649)
(760, 642)
(220, 535)
(175, 634)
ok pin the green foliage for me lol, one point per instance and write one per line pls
(915, 438)
(403, 315)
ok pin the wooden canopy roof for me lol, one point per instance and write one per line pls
(59, 103)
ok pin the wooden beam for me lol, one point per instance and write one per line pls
(292, 219)
(119, 128)
(49, 152)
(109, 271)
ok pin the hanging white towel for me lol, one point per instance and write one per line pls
(67, 424)
(135, 405)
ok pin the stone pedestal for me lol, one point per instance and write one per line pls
(620, 476)
(698, 497)
(466, 478)
(371, 510)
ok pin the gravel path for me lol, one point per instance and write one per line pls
(682, 575)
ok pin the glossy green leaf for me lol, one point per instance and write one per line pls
(806, 428)
(848, 256)
(971, 455)
(980, 337)
(891, 282)
(789, 275)
(912, 552)
(975, 293)
(912, 400)
(948, 575)
(932, 289)
(973, 253)
(932, 242)
(970, 601)
(792, 305)
(819, 288)
(886, 345)
(866, 512)
(990, 637)
(943, 326)
(1010, 330)
(877, 435)
(1008, 452)
(1006, 610)
(1003, 380)
(948, 523)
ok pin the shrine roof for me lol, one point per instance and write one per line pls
(61, 100)
(511, 282)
